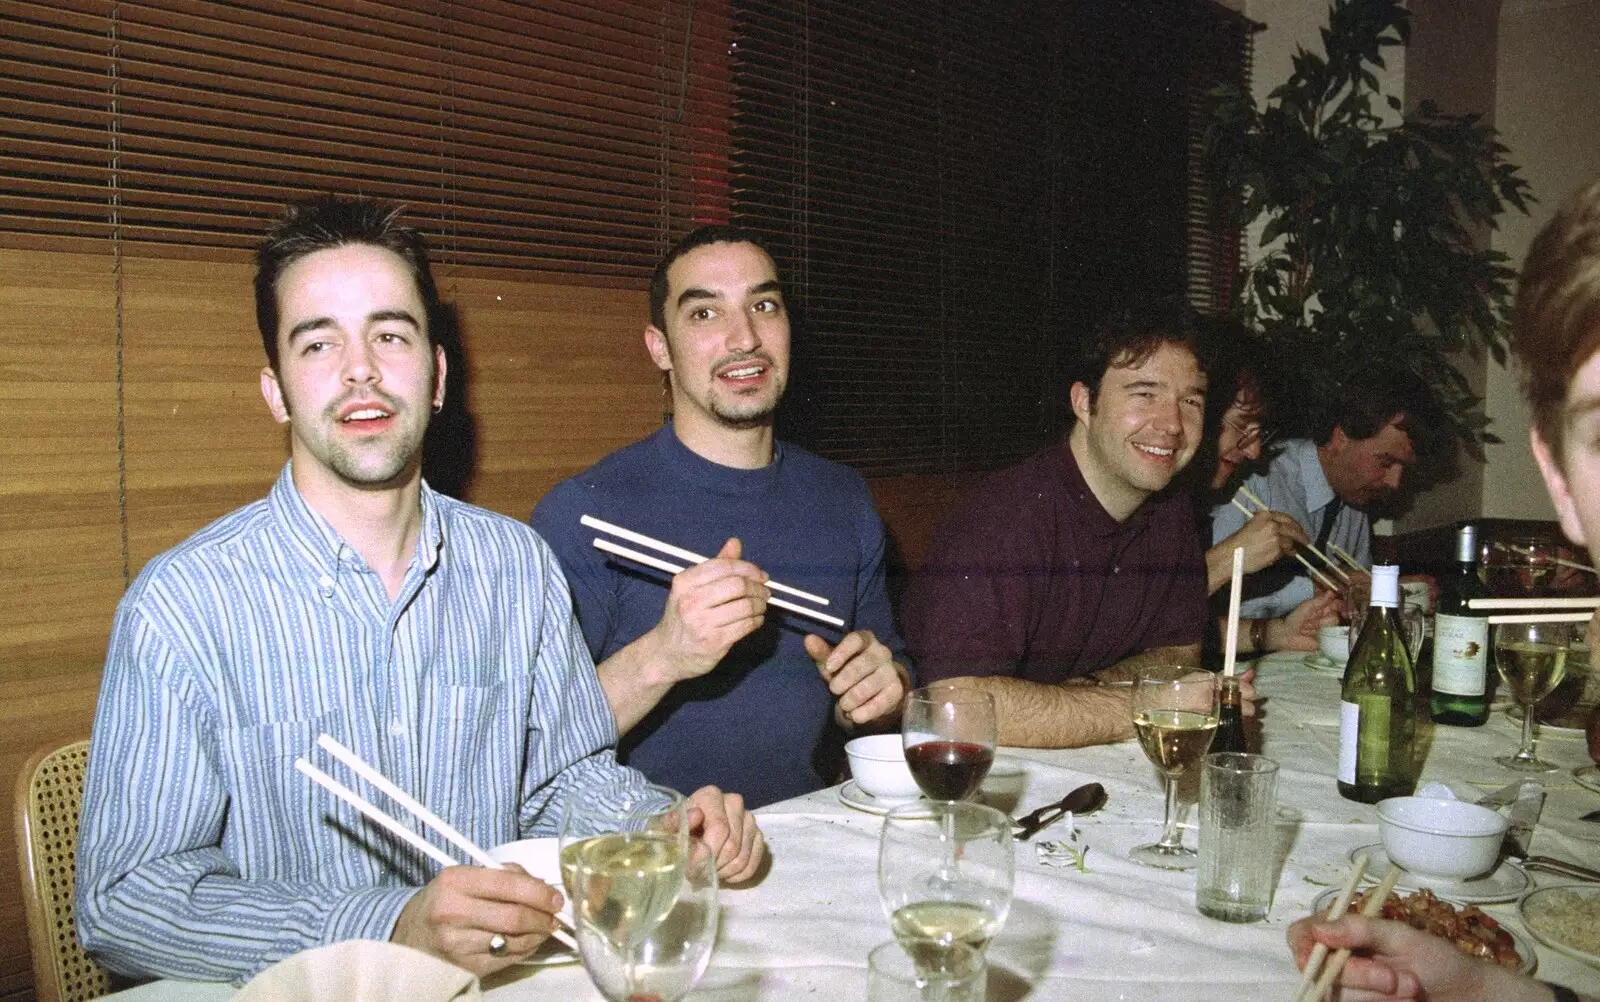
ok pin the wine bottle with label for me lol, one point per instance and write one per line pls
(1461, 642)
(1377, 703)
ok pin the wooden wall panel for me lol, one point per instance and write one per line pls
(200, 439)
(558, 377)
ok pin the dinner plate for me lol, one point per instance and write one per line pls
(852, 795)
(1506, 882)
(541, 857)
(1548, 938)
(1588, 777)
(1525, 950)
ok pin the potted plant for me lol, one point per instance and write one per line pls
(1372, 249)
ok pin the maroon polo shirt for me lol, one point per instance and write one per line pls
(1030, 577)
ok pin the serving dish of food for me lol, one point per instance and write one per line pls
(1467, 926)
(1565, 918)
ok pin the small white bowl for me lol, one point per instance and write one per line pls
(878, 763)
(1441, 838)
(1334, 642)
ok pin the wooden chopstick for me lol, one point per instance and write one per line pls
(1370, 909)
(671, 568)
(406, 800)
(1309, 566)
(1230, 652)
(1332, 564)
(1549, 617)
(1561, 561)
(689, 556)
(1339, 552)
(1533, 603)
(563, 931)
(1341, 904)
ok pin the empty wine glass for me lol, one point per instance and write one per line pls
(630, 959)
(1531, 659)
(1175, 715)
(949, 734)
(945, 871)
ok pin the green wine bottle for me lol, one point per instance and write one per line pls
(1377, 703)
(1461, 643)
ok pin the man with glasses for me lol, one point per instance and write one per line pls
(1267, 536)
(1358, 456)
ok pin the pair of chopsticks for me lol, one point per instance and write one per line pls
(1325, 976)
(353, 761)
(691, 558)
(1587, 604)
(1559, 561)
(1338, 571)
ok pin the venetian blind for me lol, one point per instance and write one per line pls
(568, 137)
(955, 192)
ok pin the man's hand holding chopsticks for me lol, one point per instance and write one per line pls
(459, 913)
(711, 607)
(867, 684)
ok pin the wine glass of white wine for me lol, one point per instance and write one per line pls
(1175, 715)
(945, 872)
(1532, 660)
(627, 958)
(625, 853)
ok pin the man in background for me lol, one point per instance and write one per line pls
(1358, 456)
(710, 684)
(1078, 565)
(433, 638)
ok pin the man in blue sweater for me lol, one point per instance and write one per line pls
(704, 679)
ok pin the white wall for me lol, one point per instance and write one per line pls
(1547, 109)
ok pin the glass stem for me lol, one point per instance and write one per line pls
(1170, 837)
(1526, 751)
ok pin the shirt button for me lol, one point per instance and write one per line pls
(397, 727)
(326, 584)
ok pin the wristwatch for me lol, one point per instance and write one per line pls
(1258, 635)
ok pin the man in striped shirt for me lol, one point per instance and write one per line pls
(433, 638)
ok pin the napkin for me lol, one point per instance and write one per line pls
(362, 970)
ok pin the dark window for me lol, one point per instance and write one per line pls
(956, 190)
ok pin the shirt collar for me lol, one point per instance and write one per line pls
(321, 547)
(1078, 489)
(1318, 492)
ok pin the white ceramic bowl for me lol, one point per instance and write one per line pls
(1334, 642)
(1441, 838)
(878, 763)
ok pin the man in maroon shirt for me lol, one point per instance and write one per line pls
(1077, 566)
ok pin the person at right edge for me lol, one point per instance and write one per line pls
(1556, 340)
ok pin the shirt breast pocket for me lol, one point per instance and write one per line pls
(276, 812)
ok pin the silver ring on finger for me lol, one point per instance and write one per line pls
(497, 945)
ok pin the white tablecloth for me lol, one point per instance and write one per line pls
(1119, 931)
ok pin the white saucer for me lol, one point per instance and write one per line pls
(1321, 662)
(1525, 950)
(1506, 882)
(852, 795)
(1588, 777)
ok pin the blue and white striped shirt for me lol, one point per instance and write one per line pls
(203, 854)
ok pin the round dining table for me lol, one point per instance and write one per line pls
(1091, 924)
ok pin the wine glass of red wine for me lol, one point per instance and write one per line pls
(949, 734)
